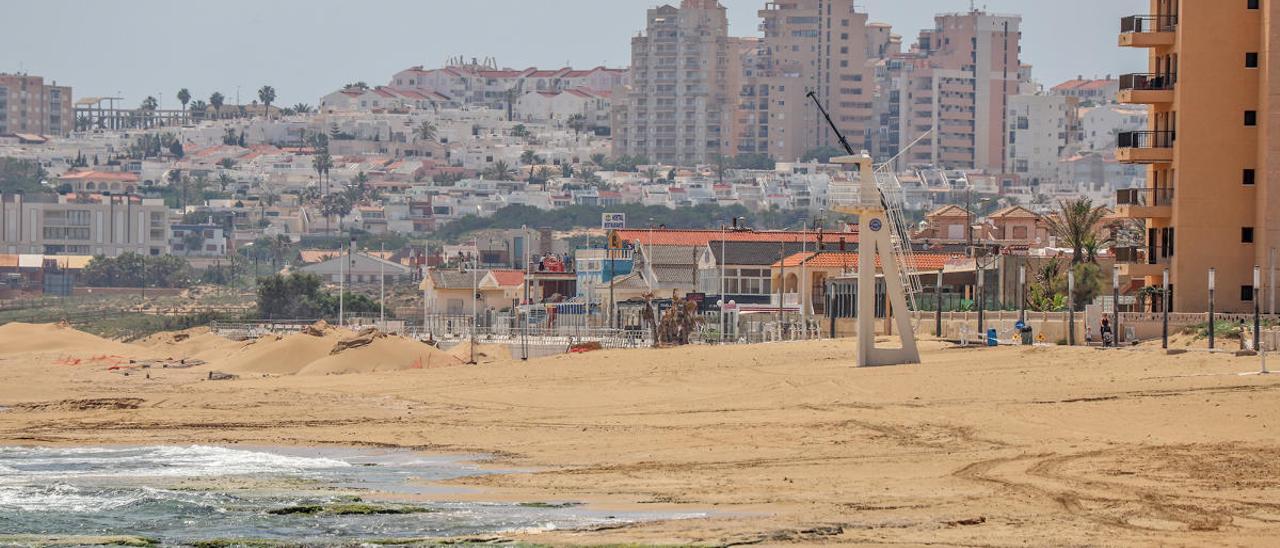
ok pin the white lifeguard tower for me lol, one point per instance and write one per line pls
(876, 238)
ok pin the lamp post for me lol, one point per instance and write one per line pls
(1115, 305)
(1212, 280)
(723, 299)
(937, 295)
(1022, 293)
(528, 272)
(1257, 307)
(1071, 307)
(1164, 313)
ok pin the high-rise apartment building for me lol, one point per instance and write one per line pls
(679, 108)
(29, 106)
(821, 46)
(1212, 148)
(1039, 129)
(957, 80)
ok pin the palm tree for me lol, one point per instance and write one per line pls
(528, 157)
(500, 171)
(302, 108)
(215, 101)
(652, 174)
(184, 97)
(577, 123)
(1078, 224)
(598, 159)
(148, 108)
(722, 165)
(199, 109)
(426, 131)
(267, 94)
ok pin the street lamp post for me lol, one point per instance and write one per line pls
(1212, 281)
(1257, 307)
(1115, 305)
(1071, 307)
(1164, 313)
(1022, 293)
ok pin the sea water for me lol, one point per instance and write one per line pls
(177, 495)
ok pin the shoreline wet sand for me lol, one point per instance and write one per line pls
(782, 442)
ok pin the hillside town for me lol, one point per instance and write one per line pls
(476, 165)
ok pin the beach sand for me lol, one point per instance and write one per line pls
(781, 443)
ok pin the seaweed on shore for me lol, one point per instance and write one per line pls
(550, 504)
(348, 509)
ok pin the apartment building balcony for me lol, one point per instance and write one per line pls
(1145, 147)
(1146, 89)
(1148, 31)
(1144, 203)
(1138, 262)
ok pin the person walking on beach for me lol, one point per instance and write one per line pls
(1107, 337)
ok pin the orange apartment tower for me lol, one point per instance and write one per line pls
(1212, 150)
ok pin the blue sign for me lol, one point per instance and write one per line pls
(876, 225)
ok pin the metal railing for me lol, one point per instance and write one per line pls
(1147, 81)
(1146, 139)
(1148, 23)
(1146, 197)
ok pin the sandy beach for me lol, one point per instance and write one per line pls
(781, 443)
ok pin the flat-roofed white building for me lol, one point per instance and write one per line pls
(83, 225)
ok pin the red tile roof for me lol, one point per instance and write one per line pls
(92, 175)
(921, 262)
(665, 236)
(508, 278)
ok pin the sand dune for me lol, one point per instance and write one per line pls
(485, 353)
(384, 354)
(22, 338)
(279, 355)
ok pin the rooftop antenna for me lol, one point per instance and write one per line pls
(876, 230)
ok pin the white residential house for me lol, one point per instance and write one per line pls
(560, 105)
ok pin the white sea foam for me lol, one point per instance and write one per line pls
(161, 461)
(61, 497)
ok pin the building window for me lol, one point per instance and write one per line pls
(1246, 235)
(1249, 176)
(1253, 4)
(1251, 60)
(1250, 118)
(1246, 293)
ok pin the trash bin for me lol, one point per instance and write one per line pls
(1027, 339)
(993, 337)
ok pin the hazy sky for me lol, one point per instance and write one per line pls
(306, 48)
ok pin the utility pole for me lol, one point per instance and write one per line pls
(382, 287)
(341, 291)
(475, 301)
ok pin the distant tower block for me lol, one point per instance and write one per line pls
(875, 238)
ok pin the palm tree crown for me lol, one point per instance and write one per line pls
(1078, 224)
(267, 94)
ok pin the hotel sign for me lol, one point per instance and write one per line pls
(613, 221)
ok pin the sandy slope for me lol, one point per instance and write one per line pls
(1025, 446)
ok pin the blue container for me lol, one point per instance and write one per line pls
(993, 338)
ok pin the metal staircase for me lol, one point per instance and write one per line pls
(894, 198)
